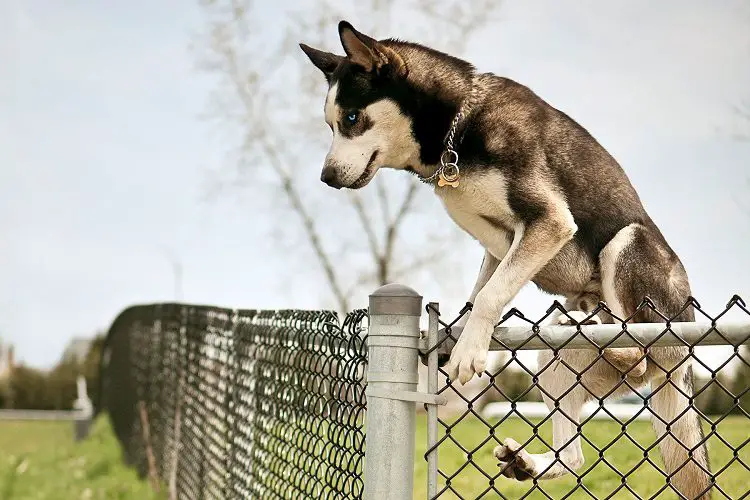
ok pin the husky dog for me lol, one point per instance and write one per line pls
(547, 203)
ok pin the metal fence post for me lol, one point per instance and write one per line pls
(432, 410)
(392, 343)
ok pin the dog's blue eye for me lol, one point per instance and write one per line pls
(352, 117)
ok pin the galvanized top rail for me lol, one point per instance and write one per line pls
(607, 335)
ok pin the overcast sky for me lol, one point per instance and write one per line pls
(103, 153)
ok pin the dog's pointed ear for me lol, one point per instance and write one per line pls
(368, 52)
(324, 61)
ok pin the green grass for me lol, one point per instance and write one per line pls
(39, 460)
(599, 478)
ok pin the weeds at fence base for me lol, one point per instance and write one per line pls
(601, 480)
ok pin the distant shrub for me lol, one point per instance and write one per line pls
(56, 389)
(27, 389)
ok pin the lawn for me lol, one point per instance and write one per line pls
(599, 478)
(40, 461)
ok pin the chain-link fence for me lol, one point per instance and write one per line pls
(551, 407)
(222, 403)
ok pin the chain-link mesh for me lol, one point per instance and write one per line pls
(497, 439)
(222, 403)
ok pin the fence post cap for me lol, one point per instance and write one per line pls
(395, 298)
(395, 290)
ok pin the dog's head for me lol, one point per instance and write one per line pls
(370, 128)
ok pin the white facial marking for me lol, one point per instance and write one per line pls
(389, 134)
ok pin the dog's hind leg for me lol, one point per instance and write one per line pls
(683, 448)
(635, 264)
(629, 360)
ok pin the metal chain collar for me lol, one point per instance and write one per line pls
(448, 168)
(448, 171)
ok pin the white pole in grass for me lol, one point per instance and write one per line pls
(84, 409)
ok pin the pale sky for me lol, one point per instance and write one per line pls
(104, 155)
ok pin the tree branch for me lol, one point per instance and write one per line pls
(364, 278)
(423, 262)
(392, 230)
(359, 208)
(314, 237)
(287, 184)
(383, 197)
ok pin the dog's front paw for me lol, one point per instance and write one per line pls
(578, 317)
(515, 463)
(469, 356)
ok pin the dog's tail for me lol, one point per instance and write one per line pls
(683, 449)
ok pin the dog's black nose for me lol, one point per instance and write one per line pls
(329, 177)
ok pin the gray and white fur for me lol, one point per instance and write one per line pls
(548, 204)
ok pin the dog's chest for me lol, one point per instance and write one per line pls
(479, 205)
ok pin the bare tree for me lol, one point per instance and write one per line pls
(272, 98)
